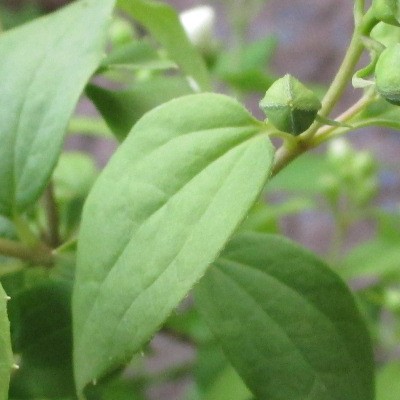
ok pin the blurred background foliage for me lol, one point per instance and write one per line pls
(342, 201)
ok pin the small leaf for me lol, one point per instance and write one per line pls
(159, 214)
(376, 258)
(6, 355)
(121, 109)
(387, 11)
(286, 322)
(163, 23)
(378, 113)
(45, 66)
(135, 55)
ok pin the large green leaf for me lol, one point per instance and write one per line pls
(159, 214)
(287, 323)
(6, 356)
(163, 22)
(44, 68)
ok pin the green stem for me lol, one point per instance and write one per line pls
(285, 155)
(288, 153)
(39, 254)
(350, 60)
(327, 132)
(52, 216)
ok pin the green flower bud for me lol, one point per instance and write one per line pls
(290, 106)
(387, 11)
(387, 74)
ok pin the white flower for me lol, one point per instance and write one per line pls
(199, 23)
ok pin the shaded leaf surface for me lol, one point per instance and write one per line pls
(287, 323)
(159, 214)
(6, 356)
(121, 109)
(45, 66)
(42, 334)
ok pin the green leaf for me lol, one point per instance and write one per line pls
(161, 211)
(388, 382)
(163, 23)
(303, 175)
(89, 126)
(42, 333)
(117, 390)
(10, 18)
(7, 228)
(73, 178)
(245, 69)
(210, 363)
(377, 258)
(286, 322)
(228, 386)
(45, 66)
(378, 113)
(74, 175)
(265, 217)
(6, 355)
(135, 55)
(121, 109)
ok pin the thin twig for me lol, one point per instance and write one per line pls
(39, 254)
(52, 216)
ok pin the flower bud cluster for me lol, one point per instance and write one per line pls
(353, 175)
